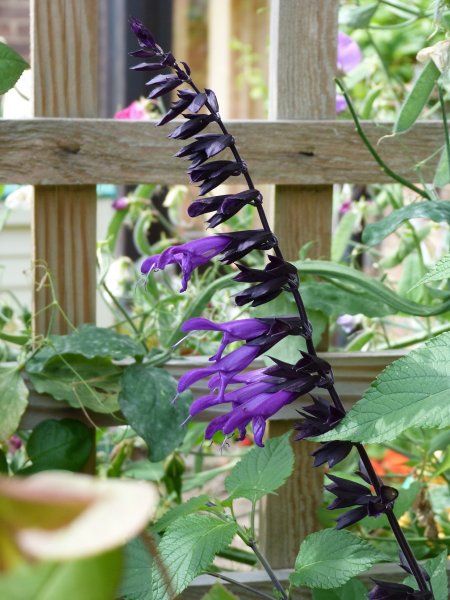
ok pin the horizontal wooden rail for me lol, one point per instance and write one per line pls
(88, 151)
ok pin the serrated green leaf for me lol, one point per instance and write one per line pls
(331, 557)
(357, 17)
(352, 590)
(146, 400)
(437, 570)
(342, 235)
(137, 577)
(88, 341)
(412, 391)
(218, 592)
(13, 401)
(441, 270)
(262, 470)
(435, 210)
(94, 578)
(12, 65)
(417, 98)
(188, 546)
(190, 506)
(92, 384)
(342, 273)
(64, 444)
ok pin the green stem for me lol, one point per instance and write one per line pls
(386, 169)
(268, 569)
(406, 9)
(415, 339)
(241, 585)
(121, 309)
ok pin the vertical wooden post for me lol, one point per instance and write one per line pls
(64, 62)
(302, 66)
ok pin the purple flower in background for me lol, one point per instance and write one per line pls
(387, 590)
(120, 203)
(348, 57)
(188, 256)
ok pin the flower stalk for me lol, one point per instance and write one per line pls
(263, 392)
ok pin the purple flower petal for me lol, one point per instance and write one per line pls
(348, 53)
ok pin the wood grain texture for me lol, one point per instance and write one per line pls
(88, 151)
(302, 67)
(64, 61)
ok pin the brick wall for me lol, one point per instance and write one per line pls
(15, 25)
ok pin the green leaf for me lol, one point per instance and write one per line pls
(437, 570)
(417, 98)
(188, 546)
(13, 401)
(65, 444)
(411, 392)
(262, 470)
(137, 577)
(92, 384)
(441, 270)
(436, 210)
(334, 301)
(12, 65)
(442, 174)
(94, 578)
(368, 285)
(192, 505)
(144, 469)
(331, 557)
(140, 232)
(90, 342)
(357, 17)
(114, 229)
(352, 590)
(441, 441)
(341, 237)
(218, 592)
(146, 400)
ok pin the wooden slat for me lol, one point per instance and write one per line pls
(64, 60)
(302, 66)
(85, 151)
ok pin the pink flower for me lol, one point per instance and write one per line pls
(348, 57)
(135, 111)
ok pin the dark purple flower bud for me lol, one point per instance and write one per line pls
(278, 275)
(143, 53)
(169, 60)
(387, 590)
(177, 107)
(320, 417)
(164, 84)
(212, 101)
(205, 146)
(193, 125)
(349, 493)
(145, 38)
(243, 242)
(331, 453)
(197, 103)
(188, 256)
(214, 173)
(148, 67)
(226, 205)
